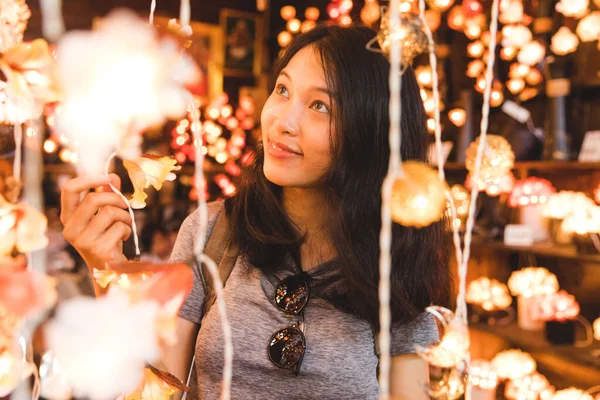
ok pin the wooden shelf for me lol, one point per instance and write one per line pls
(541, 249)
(537, 166)
(575, 366)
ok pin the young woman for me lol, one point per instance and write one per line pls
(307, 220)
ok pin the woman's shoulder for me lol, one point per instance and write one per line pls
(190, 230)
(192, 221)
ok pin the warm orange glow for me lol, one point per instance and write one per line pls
(457, 116)
(284, 38)
(312, 13)
(288, 12)
(293, 25)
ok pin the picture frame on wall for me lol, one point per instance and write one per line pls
(242, 42)
(206, 47)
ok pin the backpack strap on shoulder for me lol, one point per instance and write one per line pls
(222, 248)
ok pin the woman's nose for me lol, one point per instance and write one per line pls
(288, 119)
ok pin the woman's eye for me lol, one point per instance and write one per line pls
(281, 90)
(320, 107)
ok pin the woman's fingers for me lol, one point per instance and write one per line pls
(102, 221)
(86, 210)
(72, 190)
(107, 246)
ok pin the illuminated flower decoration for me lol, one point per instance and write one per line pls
(532, 281)
(489, 294)
(482, 375)
(495, 186)
(571, 394)
(582, 221)
(124, 340)
(529, 387)
(167, 285)
(573, 8)
(564, 42)
(516, 36)
(513, 364)
(559, 306)
(15, 15)
(119, 80)
(22, 227)
(157, 385)
(409, 32)
(498, 157)
(597, 329)
(454, 344)
(512, 13)
(53, 384)
(31, 81)
(531, 53)
(588, 28)
(531, 191)
(566, 202)
(418, 197)
(14, 367)
(149, 170)
(25, 292)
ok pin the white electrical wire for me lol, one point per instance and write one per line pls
(394, 171)
(438, 129)
(196, 129)
(136, 240)
(184, 13)
(461, 307)
(53, 25)
(152, 10)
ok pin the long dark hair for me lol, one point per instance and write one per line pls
(360, 153)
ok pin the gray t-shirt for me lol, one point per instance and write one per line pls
(340, 361)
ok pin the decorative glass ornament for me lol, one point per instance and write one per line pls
(573, 8)
(534, 386)
(409, 32)
(498, 158)
(588, 28)
(488, 293)
(418, 197)
(564, 42)
(531, 53)
(513, 364)
(516, 36)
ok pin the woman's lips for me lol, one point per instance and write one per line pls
(280, 150)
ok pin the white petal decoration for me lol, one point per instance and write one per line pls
(102, 344)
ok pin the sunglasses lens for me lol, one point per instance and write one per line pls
(286, 347)
(292, 294)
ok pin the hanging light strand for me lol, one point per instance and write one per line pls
(152, 10)
(438, 129)
(394, 171)
(461, 307)
(53, 25)
(196, 128)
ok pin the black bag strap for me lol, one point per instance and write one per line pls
(222, 248)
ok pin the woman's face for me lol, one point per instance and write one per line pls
(296, 124)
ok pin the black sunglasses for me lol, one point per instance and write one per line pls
(287, 346)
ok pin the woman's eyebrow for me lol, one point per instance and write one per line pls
(312, 88)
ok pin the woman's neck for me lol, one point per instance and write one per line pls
(307, 209)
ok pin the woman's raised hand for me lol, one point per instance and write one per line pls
(95, 219)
